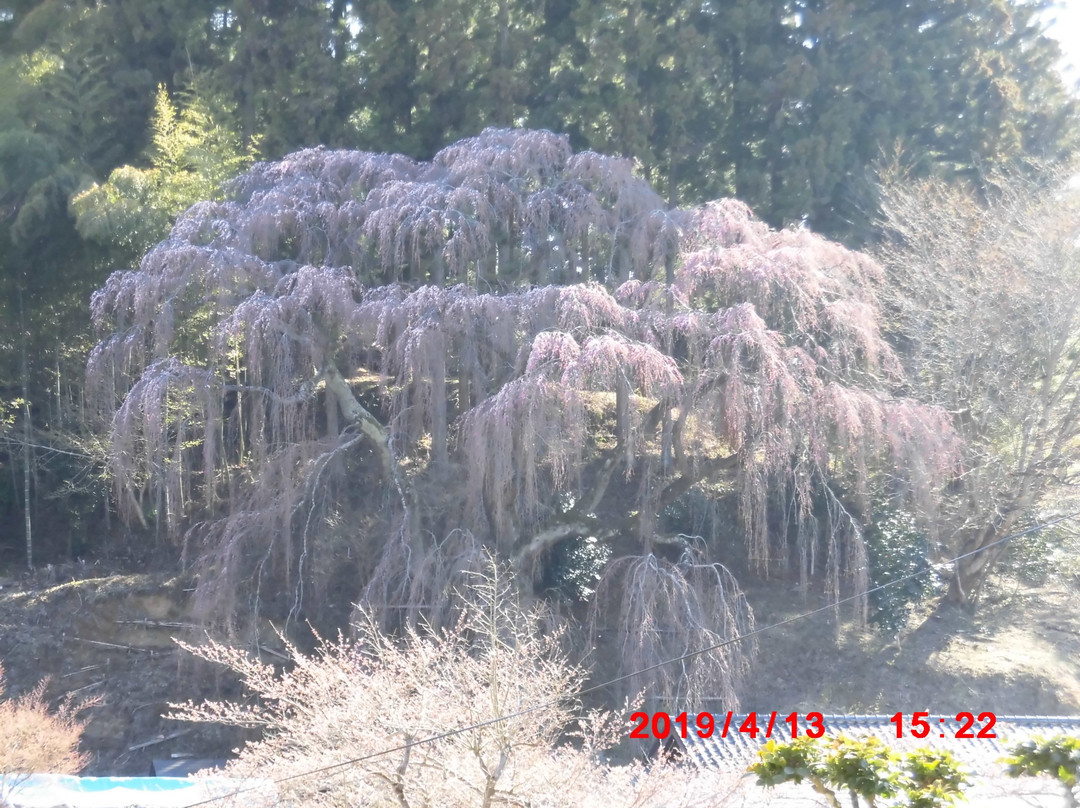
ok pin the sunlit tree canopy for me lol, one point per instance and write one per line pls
(518, 346)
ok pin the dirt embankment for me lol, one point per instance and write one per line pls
(110, 637)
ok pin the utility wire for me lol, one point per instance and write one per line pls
(716, 646)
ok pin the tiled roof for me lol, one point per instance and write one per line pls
(981, 755)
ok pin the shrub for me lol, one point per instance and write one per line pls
(1057, 757)
(897, 549)
(33, 739)
(575, 567)
(864, 768)
(353, 699)
(1048, 554)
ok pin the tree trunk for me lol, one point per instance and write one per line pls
(972, 570)
(622, 415)
(247, 17)
(26, 480)
(502, 114)
(666, 447)
(355, 412)
(27, 434)
(439, 403)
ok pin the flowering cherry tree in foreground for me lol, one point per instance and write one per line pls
(359, 371)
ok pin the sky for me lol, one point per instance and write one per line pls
(1066, 30)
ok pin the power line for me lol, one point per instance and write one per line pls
(692, 654)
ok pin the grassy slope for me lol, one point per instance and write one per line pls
(1018, 654)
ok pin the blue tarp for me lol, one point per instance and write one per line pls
(68, 791)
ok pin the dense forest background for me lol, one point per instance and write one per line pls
(848, 119)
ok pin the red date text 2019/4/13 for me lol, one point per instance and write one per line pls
(705, 725)
(793, 725)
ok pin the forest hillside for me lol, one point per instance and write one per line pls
(571, 345)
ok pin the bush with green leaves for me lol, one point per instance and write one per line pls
(1058, 757)
(865, 768)
(575, 566)
(1052, 553)
(897, 550)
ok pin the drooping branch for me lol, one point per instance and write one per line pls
(647, 611)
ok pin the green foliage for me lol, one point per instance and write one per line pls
(1058, 757)
(1052, 553)
(897, 549)
(698, 512)
(287, 70)
(82, 105)
(1030, 558)
(864, 768)
(574, 568)
(190, 157)
(784, 106)
(76, 93)
(788, 762)
(933, 779)
(709, 514)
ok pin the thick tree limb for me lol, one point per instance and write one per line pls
(355, 412)
(551, 536)
(580, 521)
(603, 479)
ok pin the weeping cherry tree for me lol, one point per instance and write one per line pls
(359, 371)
